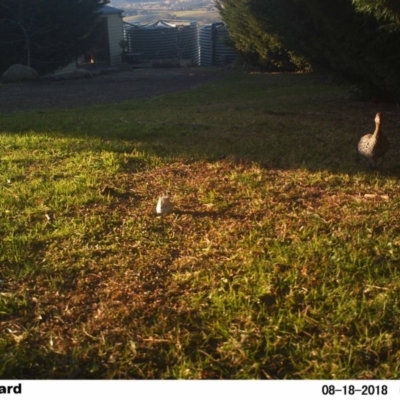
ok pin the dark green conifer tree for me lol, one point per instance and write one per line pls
(358, 39)
(387, 11)
(253, 31)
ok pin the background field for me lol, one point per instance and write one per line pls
(281, 259)
(200, 16)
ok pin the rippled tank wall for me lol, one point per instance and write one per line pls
(213, 45)
(162, 40)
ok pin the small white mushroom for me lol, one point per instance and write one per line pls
(164, 205)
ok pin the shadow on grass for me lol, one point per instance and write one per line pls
(282, 121)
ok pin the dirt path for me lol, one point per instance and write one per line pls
(110, 88)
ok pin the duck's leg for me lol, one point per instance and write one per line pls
(372, 163)
(382, 162)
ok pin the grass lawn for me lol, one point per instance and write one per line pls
(281, 260)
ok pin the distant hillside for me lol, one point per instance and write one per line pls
(197, 3)
(140, 11)
(121, 3)
(201, 17)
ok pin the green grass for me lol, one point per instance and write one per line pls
(281, 259)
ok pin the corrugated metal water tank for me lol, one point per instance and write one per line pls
(213, 48)
(162, 40)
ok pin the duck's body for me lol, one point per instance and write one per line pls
(374, 146)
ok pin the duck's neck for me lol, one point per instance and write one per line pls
(377, 129)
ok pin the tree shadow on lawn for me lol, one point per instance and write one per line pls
(316, 131)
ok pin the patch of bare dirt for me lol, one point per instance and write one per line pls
(102, 89)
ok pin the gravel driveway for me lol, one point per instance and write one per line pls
(105, 88)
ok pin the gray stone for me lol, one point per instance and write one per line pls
(80, 73)
(19, 73)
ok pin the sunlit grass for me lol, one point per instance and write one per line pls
(281, 259)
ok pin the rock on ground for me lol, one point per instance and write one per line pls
(80, 73)
(19, 73)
